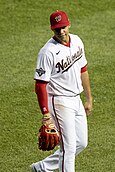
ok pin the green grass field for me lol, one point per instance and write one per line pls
(24, 28)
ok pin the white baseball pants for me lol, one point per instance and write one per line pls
(70, 119)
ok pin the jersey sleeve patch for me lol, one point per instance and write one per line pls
(40, 71)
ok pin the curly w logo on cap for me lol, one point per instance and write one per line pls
(59, 19)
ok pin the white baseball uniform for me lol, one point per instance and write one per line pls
(61, 65)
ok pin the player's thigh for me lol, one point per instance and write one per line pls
(64, 118)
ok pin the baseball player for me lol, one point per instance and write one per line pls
(61, 75)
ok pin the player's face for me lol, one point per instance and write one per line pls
(62, 34)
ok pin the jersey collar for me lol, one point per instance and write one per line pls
(67, 45)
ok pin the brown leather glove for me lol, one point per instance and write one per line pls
(48, 136)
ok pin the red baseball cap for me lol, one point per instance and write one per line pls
(59, 19)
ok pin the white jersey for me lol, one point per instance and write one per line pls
(61, 66)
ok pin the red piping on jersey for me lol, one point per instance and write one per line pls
(59, 127)
(40, 89)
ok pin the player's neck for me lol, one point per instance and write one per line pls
(65, 42)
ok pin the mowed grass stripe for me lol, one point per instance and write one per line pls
(24, 29)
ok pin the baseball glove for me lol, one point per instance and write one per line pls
(48, 137)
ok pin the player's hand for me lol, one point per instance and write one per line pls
(88, 107)
(46, 119)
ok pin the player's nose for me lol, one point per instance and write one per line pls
(61, 31)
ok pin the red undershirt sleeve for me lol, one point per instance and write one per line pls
(41, 92)
(84, 69)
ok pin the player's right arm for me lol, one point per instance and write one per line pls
(42, 77)
(41, 92)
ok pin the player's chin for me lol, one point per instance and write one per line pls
(62, 38)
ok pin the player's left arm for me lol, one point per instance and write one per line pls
(87, 91)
